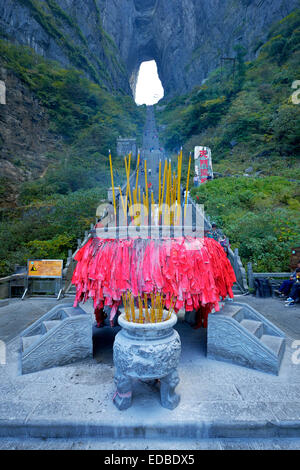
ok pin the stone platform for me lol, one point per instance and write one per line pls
(220, 403)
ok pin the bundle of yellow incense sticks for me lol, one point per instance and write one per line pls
(169, 191)
(142, 315)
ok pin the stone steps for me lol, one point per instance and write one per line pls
(274, 343)
(201, 428)
(255, 327)
(48, 325)
(28, 341)
(61, 336)
(241, 335)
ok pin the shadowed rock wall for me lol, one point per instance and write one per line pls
(187, 38)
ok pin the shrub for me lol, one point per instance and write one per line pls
(257, 216)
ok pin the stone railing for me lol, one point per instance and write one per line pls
(6, 283)
(252, 275)
(207, 222)
(239, 270)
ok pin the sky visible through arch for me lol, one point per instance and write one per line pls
(149, 89)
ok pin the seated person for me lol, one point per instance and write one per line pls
(295, 291)
(287, 285)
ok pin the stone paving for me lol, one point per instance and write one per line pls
(218, 401)
(18, 315)
(156, 444)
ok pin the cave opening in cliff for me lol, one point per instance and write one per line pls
(149, 89)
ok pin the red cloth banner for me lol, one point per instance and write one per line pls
(195, 272)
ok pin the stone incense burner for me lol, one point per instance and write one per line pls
(147, 351)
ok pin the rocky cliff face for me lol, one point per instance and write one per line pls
(187, 38)
(69, 31)
(24, 138)
(108, 40)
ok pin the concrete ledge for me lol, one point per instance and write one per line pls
(155, 444)
(218, 400)
(184, 430)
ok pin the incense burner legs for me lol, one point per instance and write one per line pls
(123, 395)
(169, 398)
(147, 352)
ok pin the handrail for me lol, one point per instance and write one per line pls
(252, 275)
(239, 270)
(12, 277)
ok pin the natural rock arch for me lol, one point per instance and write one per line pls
(111, 38)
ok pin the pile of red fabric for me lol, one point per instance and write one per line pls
(195, 272)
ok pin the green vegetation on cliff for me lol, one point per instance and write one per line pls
(248, 119)
(66, 32)
(55, 209)
(261, 216)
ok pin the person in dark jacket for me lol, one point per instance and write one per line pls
(285, 288)
(295, 291)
